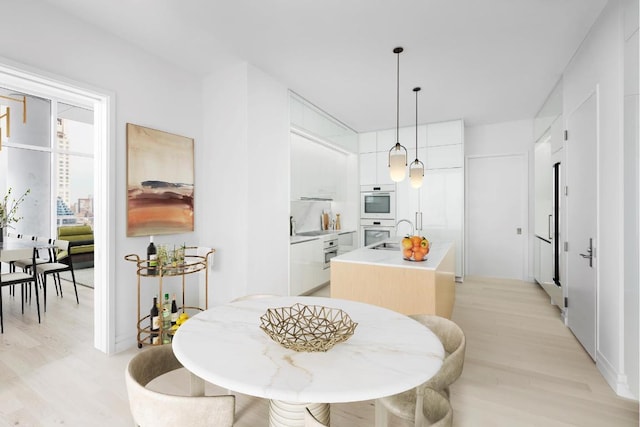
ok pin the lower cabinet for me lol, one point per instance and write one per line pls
(306, 266)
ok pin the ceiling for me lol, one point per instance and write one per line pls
(483, 61)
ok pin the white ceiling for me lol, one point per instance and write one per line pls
(483, 61)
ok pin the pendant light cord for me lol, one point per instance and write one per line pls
(398, 100)
(416, 90)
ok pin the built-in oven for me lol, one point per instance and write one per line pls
(378, 201)
(376, 230)
(330, 249)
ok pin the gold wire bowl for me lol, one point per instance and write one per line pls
(307, 327)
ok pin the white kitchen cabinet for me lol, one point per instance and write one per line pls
(557, 135)
(374, 168)
(437, 208)
(307, 117)
(347, 242)
(445, 133)
(306, 267)
(367, 142)
(316, 170)
(368, 168)
(543, 185)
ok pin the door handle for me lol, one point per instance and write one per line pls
(589, 254)
(549, 226)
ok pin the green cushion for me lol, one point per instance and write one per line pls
(84, 249)
(77, 233)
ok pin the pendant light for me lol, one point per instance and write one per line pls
(397, 154)
(416, 170)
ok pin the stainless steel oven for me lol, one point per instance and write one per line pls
(330, 248)
(378, 201)
(376, 230)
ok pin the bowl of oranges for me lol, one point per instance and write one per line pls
(415, 248)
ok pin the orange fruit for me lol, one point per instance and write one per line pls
(418, 256)
(416, 240)
(407, 243)
(407, 253)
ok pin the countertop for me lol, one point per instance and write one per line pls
(299, 239)
(393, 258)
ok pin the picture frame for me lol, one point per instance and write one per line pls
(160, 182)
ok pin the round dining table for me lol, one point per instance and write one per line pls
(387, 354)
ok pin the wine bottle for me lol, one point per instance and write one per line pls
(152, 263)
(166, 320)
(154, 320)
(174, 311)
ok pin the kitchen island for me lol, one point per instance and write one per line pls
(383, 278)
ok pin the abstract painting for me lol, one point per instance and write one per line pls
(160, 178)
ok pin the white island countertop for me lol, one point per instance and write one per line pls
(393, 258)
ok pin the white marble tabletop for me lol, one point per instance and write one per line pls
(388, 353)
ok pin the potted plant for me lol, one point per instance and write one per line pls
(9, 211)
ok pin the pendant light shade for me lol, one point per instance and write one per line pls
(416, 170)
(397, 154)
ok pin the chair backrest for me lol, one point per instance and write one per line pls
(437, 409)
(454, 343)
(152, 408)
(254, 296)
(311, 421)
(10, 255)
(61, 245)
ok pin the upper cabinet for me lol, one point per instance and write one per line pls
(317, 171)
(437, 208)
(308, 119)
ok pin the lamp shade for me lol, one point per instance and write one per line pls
(416, 173)
(397, 163)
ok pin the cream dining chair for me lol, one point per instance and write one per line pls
(155, 409)
(409, 405)
(311, 421)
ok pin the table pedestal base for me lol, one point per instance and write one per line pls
(287, 414)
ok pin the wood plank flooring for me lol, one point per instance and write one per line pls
(523, 367)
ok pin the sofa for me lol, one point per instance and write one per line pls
(80, 238)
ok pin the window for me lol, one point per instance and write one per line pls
(56, 164)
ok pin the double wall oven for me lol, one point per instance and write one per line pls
(377, 213)
(378, 201)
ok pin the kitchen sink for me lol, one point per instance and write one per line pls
(388, 246)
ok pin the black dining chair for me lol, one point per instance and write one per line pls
(54, 268)
(22, 278)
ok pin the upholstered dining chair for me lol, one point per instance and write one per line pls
(55, 267)
(254, 296)
(409, 404)
(155, 409)
(22, 278)
(311, 421)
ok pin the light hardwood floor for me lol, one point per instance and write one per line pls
(523, 367)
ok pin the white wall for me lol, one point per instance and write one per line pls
(148, 91)
(631, 193)
(515, 137)
(598, 66)
(245, 169)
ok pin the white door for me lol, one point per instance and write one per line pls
(581, 223)
(496, 216)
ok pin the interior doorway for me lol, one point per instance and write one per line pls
(582, 197)
(45, 86)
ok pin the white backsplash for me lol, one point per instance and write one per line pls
(308, 213)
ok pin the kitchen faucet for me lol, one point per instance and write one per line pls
(404, 220)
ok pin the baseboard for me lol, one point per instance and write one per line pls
(618, 382)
